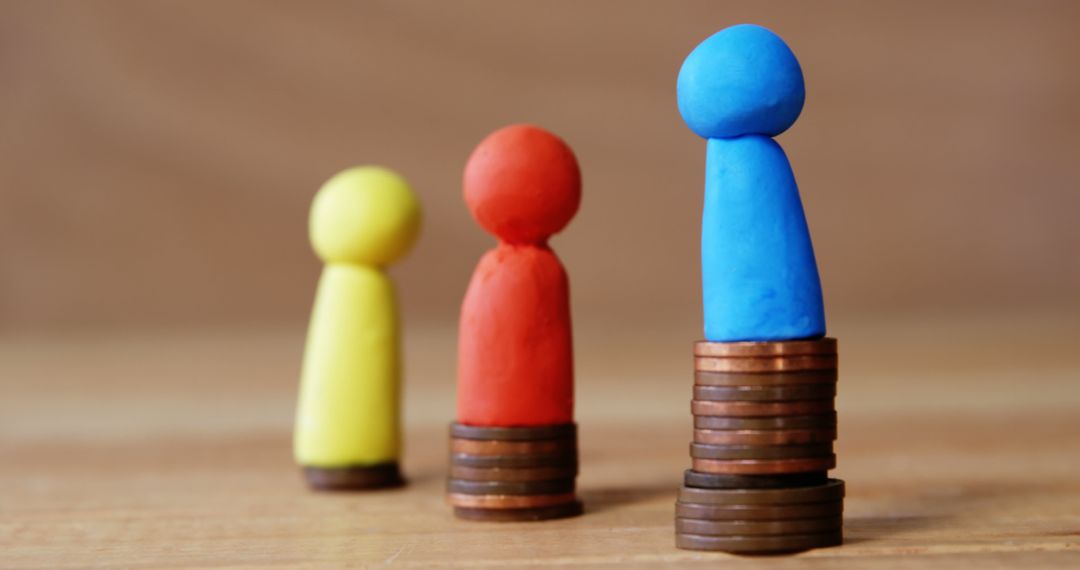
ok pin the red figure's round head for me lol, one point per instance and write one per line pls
(522, 184)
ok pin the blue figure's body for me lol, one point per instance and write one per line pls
(760, 282)
(757, 264)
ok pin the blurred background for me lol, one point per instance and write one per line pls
(158, 159)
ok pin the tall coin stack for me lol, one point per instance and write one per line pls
(764, 426)
(513, 473)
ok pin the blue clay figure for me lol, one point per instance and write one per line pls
(739, 88)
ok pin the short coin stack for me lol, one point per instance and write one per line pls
(513, 473)
(764, 426)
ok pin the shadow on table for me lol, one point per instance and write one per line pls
(601, 499)
(858, 530)
(935, 508)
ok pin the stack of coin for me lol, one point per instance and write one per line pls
(764, 426)
(760, 520)
(513, 473)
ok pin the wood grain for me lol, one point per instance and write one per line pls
(172, 450)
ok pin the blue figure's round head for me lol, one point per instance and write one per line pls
(741, 80)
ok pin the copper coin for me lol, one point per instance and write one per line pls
(508, 501)
(831, 491)
(757, 528)
(772, 364)
(759, 409)
(701, 480)
(706, 451)
(764, 436)
(766, 393)
(814, 421)
(519, 474)
(518, 515)
(525, 433)
(763, 466)
(513, 461)
(354, 477)
(759, 544)
(549, 487)
(825, 345)
(735, 379)
(497, 447)
(757, 512)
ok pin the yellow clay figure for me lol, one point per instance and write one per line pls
(347, 421)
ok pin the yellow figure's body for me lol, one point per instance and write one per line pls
(348, 412)
(349, 388)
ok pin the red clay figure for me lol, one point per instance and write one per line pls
(515, 355)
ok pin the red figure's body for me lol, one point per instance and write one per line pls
(515, 352)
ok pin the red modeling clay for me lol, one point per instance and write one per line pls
(515, 357)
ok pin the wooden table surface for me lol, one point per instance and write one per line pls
(958, 440)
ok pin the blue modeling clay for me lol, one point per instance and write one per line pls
(742, 80)
(759, 276)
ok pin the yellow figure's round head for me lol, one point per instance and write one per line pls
(365, 215)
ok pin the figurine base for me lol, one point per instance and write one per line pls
(520, 515)
(354, 477)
